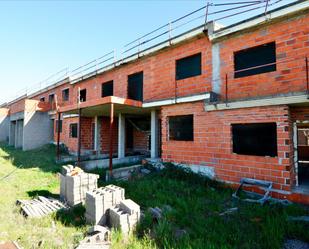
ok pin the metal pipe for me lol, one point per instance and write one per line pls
(58, 137)
(266, 6)
(111, 124)
(79, 136)
(206, 16)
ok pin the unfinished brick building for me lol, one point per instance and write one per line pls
(229, 102)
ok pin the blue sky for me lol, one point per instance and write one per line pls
(39, 38)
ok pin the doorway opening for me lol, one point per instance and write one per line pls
(303, 156)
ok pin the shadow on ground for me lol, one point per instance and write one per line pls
(42, 158)
(74, 216)
(45, 193)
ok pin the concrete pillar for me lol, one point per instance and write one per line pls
(154, 134)
(97, 135)
(121, 135)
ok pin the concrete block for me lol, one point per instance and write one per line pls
(129, 206)
(73, 188)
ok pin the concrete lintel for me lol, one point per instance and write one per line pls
(17, 116)
(179, 100)
(288, 100)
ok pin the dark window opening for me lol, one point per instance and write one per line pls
(255, 139)
(181, 128)
(108, 89)
(60, 126)
(65, 94)
(189, 66)
(51, 98)
(135, 86)
(73, 130)
(42, 99)
(83, 95)
(255, 57)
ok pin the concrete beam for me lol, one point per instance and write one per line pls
(154, 134)
(282, 100)
(121, 136)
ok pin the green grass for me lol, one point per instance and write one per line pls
(195, 201)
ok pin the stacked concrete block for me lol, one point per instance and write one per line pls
(99, 201)
(75, 183)
(125, 216)
(118, 193)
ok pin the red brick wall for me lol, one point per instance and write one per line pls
(212, 145)
(159, 74)
(65, 138)
(105, 135)
(140, 140)
(18, 106)
(58, 92)
(292, 43)
(87, 141)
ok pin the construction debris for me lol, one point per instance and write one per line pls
(156, 164)
(298, 218)
(157, 213)
(74, 183)
(9, 245)
(99, 238)
(229, 211)
(40, 207)
(265, 185)
(295, 244)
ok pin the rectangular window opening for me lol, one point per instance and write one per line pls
(135, 86)
(73, 130)
(83, 95)
(258, 139)
(189, 66)
(42, 99)
(181, 128)
(108, 89)
(65, 94)
(51, 98)
(255, 60)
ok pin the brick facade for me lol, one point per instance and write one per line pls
(212, 145)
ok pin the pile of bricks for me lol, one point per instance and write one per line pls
(108, 206)
(74, 184)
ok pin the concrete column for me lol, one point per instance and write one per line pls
(154, 134)
(121, 135)
(97, 135)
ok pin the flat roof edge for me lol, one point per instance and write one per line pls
(260, 19)
(153, 49)
(58, 83)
